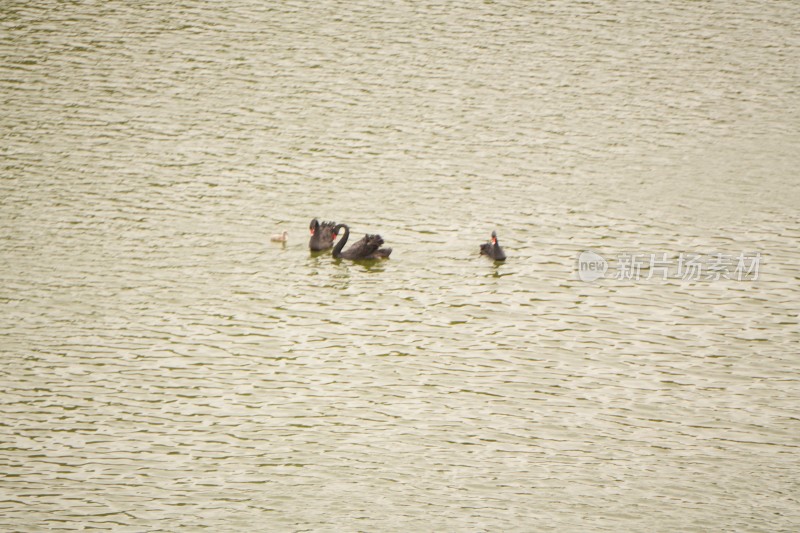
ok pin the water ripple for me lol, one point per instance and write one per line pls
(166, 367)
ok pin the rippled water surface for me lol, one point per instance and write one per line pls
(166, 367)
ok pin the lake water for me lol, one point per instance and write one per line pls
(165, 367)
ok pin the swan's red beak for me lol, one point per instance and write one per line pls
(311, 231)
(494, 241)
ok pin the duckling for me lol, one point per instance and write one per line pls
(280, 237)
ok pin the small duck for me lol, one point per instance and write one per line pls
(493, 249)
(280, 237)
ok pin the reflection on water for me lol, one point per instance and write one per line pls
(166, 367)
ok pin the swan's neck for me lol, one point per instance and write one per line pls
(337, 250)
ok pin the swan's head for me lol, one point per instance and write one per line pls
(494, 237)
(336, 229)
(313, 227)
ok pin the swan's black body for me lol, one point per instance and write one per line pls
(493, 249)
(369, 247)
(322, 235)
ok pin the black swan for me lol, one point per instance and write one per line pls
(493, 249)
(369, 247)
(322, 235)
